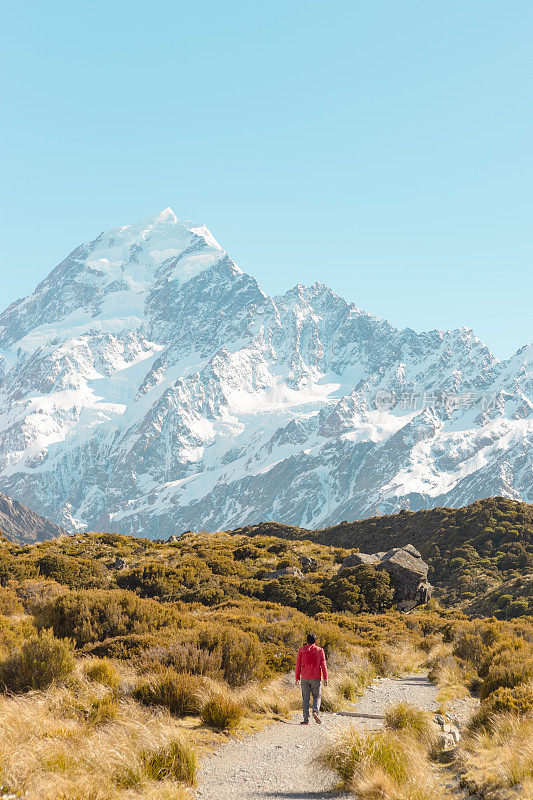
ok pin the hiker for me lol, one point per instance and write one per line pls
(310, 669)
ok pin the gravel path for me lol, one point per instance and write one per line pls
(276, 762)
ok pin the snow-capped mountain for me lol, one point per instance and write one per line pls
(149, 386)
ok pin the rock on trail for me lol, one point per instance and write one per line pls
(277, 761)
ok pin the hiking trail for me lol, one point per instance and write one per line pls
(277, 762)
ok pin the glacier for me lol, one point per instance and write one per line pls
(149, 386)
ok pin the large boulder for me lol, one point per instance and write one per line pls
(356, 559)
(407, 569)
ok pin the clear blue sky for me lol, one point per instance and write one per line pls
(382, 147)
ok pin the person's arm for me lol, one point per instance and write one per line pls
(298, 666)
(324, 668)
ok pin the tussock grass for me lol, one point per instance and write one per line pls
(176, 760)
(348, 680)
(389, 660)
(331, 699)
(450, 678)
(102, 710)
(54, 744)
(276, 697)
(382, 661)
(101, 670)
(499, 757)
(179, 692)
(405, 717)
(348, 688)
(222, 711)
(388, 765)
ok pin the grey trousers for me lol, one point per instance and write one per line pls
(311, 686)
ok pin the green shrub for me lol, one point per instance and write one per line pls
(247, 551)
(319, 604)
(179, 692)
(77, 573)
(40, 661)
(166, 582)
(9, 602)
(92, 616)
(290, 591)
(510, 700)
(508, 669)
(517, 700)
(183, 657)
(242, 657)
(361, 588)
(100, 670)
(471, 647)
(222, 711)
(518, 607)
(132, 647)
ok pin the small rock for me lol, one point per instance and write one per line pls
(446, 741)
(451, 730)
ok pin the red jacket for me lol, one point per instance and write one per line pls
(311, 663)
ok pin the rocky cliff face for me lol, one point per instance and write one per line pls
(149, 386)
(24, 526)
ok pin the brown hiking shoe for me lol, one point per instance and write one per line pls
(317, 719)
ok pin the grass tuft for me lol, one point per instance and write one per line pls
(405, 717)
(179, 692)
(101, 670)
(176, 760)
(222, 711)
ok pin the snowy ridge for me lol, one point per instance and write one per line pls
(149, 386)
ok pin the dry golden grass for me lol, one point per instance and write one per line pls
(417, 722)
(499, 758)
(349, 677)
(277, 697)
(388, 765)
(222, 710)
(397, 658)
(447, 675)
(54, 745)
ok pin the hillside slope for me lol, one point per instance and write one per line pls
(470, 550)
(150, 386)
(20, 524)
(300, 569)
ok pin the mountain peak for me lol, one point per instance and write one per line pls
(148, 386)
(168, 213)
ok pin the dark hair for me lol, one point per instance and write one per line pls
(311, 638)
